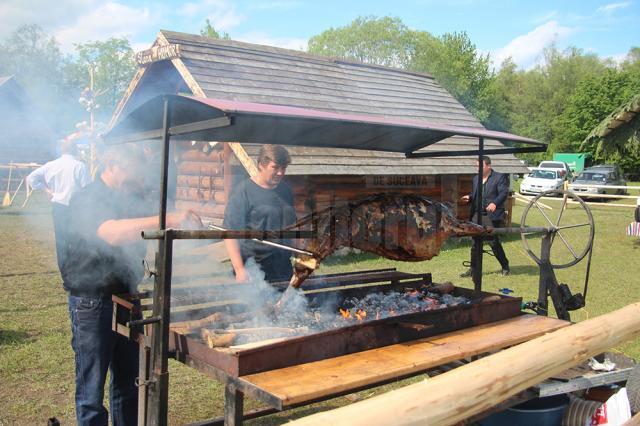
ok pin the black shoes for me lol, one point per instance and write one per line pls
(506, 272)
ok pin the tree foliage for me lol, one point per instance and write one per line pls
(209, 31)
(112, 64)
(35, 60)
(55, 81)
(452, 58)
(559, 101)
(382, 41)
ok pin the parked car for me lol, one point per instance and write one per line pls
(617, 174)
(541, 180)
(599, 175)
(564, 168)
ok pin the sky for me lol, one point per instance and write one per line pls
(501, 28)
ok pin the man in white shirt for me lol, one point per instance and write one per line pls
(61, 178)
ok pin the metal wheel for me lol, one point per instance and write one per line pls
(573, 229)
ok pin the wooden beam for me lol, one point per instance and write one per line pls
(130, 89)
(461, 393)
(195, 88)
(244, 158)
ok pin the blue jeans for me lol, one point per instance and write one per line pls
(98, 348)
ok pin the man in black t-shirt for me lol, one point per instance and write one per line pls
(105, 253)
(265, 203)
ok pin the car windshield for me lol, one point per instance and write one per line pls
(597, 177)
(543, 174)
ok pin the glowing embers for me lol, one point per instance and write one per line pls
(394, 303)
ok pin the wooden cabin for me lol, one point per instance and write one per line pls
(226, 69)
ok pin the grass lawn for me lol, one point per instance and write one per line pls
(36, 361)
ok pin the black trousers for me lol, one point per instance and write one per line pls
(61, 225)
(494, 243)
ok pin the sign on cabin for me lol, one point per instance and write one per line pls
(158, 53)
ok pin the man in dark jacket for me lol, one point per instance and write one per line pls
(495, 193)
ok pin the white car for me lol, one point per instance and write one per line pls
(541, 180)
(564, 168)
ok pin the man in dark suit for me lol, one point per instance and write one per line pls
(495, 193)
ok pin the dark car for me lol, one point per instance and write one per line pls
(603, 175)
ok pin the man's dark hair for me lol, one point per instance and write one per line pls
(276, 153)
(486, 159)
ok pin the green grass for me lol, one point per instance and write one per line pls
(36, 360)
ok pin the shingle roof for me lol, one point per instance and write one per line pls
(226, 69)
(247, 72)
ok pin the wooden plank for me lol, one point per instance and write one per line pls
(471, 389)
(331, 376)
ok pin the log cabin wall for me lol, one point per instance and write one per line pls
(201, 183)
(206, 178)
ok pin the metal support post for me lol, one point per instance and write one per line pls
(143, 380)
(233, 405)
(478, 242)
(548, 284)
(158, 393)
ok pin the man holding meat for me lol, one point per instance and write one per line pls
(105, 254)
(264, 203)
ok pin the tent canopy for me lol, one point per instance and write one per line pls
(205, 119)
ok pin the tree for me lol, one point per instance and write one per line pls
(113, 65)
(537, 98)
(209, 31)
(381, 41)
(594, 99)
(35, 59)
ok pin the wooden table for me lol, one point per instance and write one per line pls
(320, 380)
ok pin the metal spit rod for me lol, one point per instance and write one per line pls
(268, 243)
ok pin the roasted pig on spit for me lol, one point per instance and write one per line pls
(400, 227)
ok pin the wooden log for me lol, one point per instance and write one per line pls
(444, 288)
(217, 340)
(183, 326)
(200, 195)
(198, 155)
(220, 318)
(474, 388)
(202, 182)
(200, 168)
